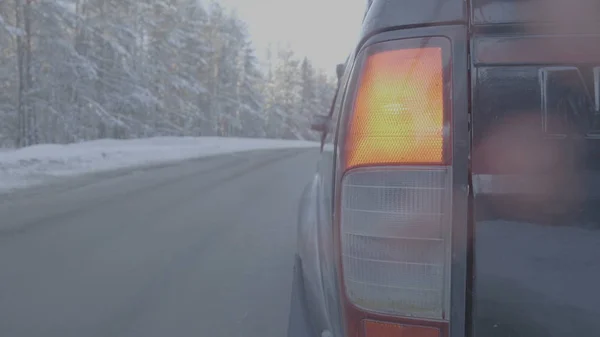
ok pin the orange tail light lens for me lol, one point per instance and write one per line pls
(398, 115)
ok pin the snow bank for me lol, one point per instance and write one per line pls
(36, 164)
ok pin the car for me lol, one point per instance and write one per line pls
(459, 176)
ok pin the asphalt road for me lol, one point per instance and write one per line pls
(202, 248)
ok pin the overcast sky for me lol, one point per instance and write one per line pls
(323, 30)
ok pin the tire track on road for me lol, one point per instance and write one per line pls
(42, 221)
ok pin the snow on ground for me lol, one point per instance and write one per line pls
(37, 164)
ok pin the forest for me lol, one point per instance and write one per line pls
(77, 70)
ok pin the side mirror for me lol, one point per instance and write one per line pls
(339, 70)
(320, 123)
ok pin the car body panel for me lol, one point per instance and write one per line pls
(315, 228)
(536, 168)
(536, 181)
(393, 14)
(571, 15)
(309, 253)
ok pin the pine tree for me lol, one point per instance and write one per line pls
(74, 70)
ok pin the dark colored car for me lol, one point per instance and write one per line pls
(458, 189)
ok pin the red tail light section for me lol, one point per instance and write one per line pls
(395, 192)
(374, 328)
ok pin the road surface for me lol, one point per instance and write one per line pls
(202, 248)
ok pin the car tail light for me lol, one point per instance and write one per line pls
(396, 189)
(374, 328)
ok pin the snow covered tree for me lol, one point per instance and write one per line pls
(74, 70)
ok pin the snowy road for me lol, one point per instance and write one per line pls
(203, 248)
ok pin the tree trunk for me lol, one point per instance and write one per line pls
(32, 134)
(22, 139)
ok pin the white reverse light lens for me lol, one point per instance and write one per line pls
(395, 235)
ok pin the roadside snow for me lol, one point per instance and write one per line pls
(37, 164)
